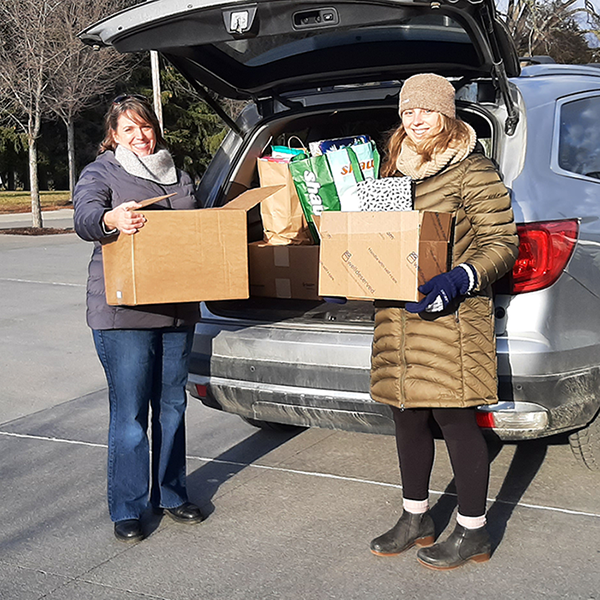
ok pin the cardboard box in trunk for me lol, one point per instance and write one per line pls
(382, 255)
(284, 271)
(183, 255)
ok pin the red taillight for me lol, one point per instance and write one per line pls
(485, 419)
(544, 250)
(201, 390)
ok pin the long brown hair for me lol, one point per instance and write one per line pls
(138, 109)
(453, 132)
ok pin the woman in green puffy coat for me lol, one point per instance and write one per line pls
(436, 359)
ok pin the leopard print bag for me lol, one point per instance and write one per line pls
(386, 194)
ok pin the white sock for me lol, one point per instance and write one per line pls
(471, 522)
(416, 507)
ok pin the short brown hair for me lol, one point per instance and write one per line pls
(139, 110)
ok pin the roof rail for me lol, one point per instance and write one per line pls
(536, 60)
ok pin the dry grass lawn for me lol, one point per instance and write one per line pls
(20, 202)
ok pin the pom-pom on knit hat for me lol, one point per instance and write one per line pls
(428, 91)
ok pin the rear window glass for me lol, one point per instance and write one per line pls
(579, 144)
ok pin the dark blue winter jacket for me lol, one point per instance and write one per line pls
(103, 185)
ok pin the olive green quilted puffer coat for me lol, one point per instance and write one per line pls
(448, 359)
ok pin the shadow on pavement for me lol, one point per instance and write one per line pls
(524, 466)
(204, 482)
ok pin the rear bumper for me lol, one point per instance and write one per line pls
(306, 407)
(519, 416)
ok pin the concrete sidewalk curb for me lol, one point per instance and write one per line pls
(59, 218)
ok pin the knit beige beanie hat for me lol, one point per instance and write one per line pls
(428, 91)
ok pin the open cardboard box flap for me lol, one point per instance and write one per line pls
(245, 201)
(251, 198)
(150, 201)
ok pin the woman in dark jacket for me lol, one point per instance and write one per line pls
(144, 349)
(436, 359)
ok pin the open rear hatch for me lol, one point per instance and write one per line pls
(267, 48)
(277, 49)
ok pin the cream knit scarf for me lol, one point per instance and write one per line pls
(158, 167)
(410, 163)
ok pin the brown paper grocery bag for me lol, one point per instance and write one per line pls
(282, 216)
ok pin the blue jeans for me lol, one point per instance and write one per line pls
(145, 368)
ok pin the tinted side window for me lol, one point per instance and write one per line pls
(579, 144)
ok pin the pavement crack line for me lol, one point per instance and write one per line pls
(309, 474)
(69, 580)
(82, 285)
(103, 586)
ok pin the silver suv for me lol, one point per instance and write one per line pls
(320, 70)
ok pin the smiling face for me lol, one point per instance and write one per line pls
(421, 124)
(135, 134)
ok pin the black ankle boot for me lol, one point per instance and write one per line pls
(129, 530)
(461, 546)
(410, 530)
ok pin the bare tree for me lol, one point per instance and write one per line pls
(84, 74)
(553, 27)
(46, 71)
(26, 61)
(593, 18)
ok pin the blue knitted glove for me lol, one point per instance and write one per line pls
(442, 289)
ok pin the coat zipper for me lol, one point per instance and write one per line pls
(403, 355)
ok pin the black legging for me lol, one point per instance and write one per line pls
(466, 446)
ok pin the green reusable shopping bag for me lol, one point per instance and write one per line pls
(315, 186)
(322, 180)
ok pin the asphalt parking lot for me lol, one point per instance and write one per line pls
(290, 517)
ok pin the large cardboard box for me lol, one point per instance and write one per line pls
(183, 255)
(382, 255)
(284, 271)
